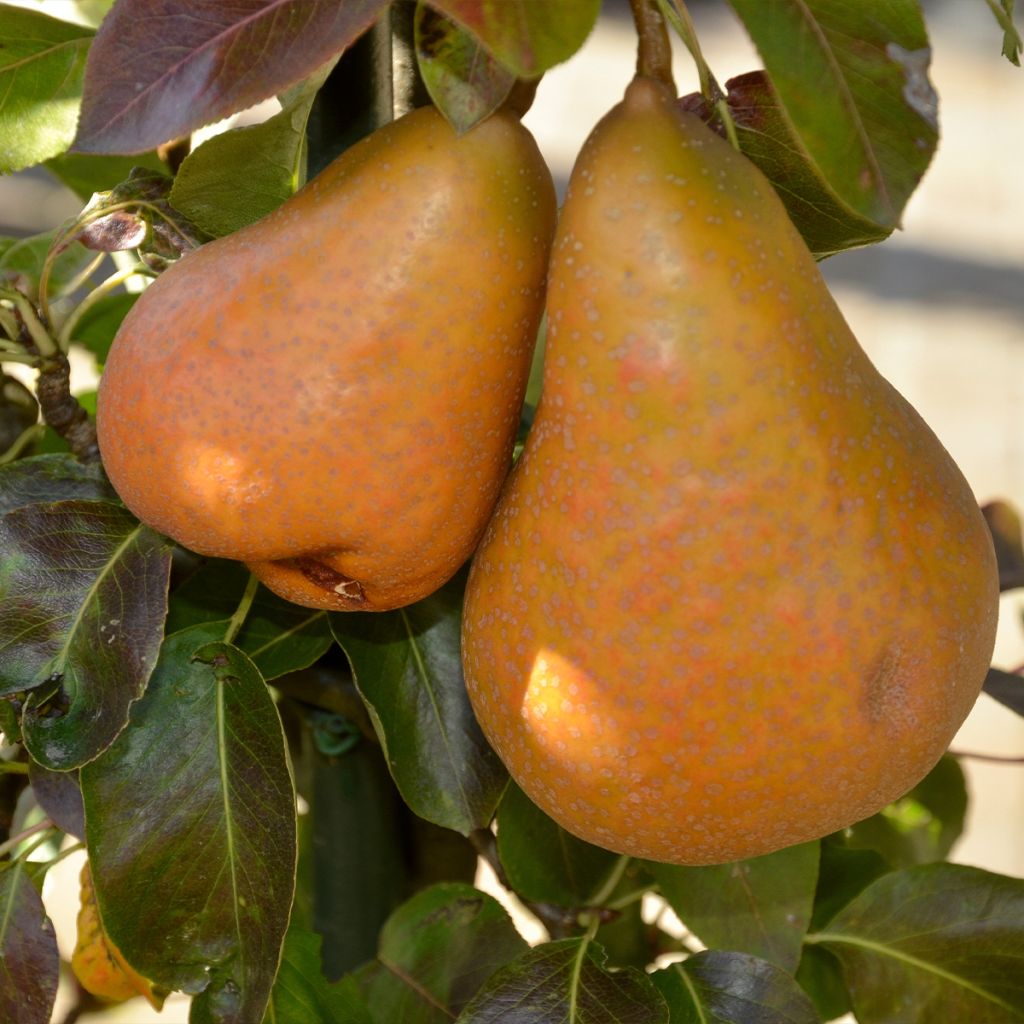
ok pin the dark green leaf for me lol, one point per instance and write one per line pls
(821, 977)
(351, 869)
(42, 62)
(858, 97)
(302, 994)
(408, 668)
(760, 906)
(566, 982)
(436, 951)
(942, 939)
(99, 324)
(239, 176)
(19, 412)
(543, 862)
(843, 873)
(922, 826)
(60, 797)
(45, 478)
(526, 36)
(465, 82)
(85, 174)
(191, 830)
(29, 961)
(277, 635)
(717, 987)
(83, 588)
(197, 70)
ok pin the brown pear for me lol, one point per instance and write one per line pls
(735, 595)
(331, 394)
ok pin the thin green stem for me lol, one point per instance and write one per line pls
(40, 336)
(28, 436)
(8, 323)
(627, 900)
(81, 277)
(16, 841)
(242, 610)
(104, 288)
(723, 111)
(64, 853)
(611, 882)
(13, 768)
(27, 358)
(678, 13)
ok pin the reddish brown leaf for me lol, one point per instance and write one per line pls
(28, 950)
(159, 69)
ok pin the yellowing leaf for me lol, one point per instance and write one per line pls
(98, 963)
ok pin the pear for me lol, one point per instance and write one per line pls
(331, 394)
(735, 594)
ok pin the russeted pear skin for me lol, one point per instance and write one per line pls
(331, 394)
(735, 594)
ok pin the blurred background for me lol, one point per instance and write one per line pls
(939, 307)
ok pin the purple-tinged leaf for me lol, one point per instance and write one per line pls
(159, 69)
(59, 795)
(191, 830)
(83, 596)
(29, 961)
(52, 477)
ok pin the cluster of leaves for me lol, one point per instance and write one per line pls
(165, 712)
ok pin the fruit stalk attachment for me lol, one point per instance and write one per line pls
(654, 51)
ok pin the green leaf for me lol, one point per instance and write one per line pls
(42, 65)
(83, 588)
(242, 174)
(843, 873)
(1013, 44)
(543, 862)
(767, 137)
(821, 977)
(858, 98)
(51, 478)
(277, 635)
(436, 951)
(944, 939)
(527, 37)
(922, 826)
(29, 961)
(566, 982)
(465, 82)
(86, 174)
(716, 987)
(96, 330)
(301, 992)
(760, 906)
(191, 830)
(408, 669)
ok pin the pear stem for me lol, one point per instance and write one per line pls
(654, 51)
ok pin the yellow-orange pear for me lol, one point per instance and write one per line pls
(331, 394)
(735, 594)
